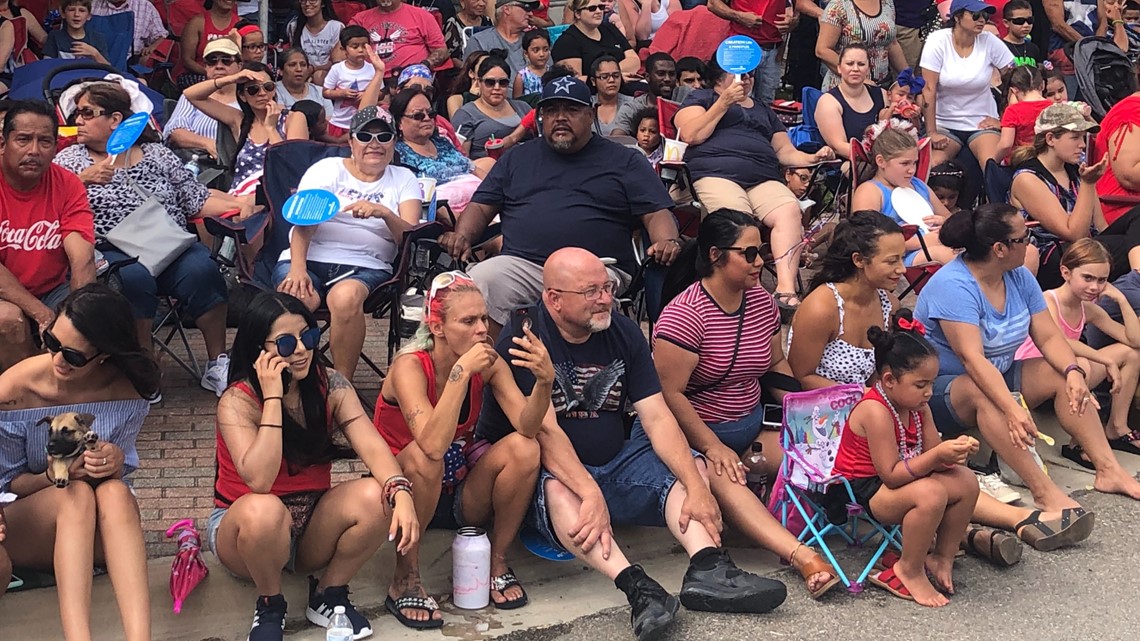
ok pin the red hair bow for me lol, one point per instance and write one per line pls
(912, 325)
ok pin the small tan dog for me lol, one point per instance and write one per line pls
(70, 433)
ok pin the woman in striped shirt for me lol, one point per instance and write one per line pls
(712, 345)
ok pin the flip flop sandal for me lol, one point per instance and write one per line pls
(1074, 526)
(504, 582)
(1075, 453)
(819, 566)
(887, 580)
(1124, 443)
(427, 604)
(1004, 549)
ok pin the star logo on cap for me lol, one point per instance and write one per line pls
(563, 84)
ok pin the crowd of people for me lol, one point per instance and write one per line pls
(526, 399)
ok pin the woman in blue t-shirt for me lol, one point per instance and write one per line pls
(978, 309)
(736, 147)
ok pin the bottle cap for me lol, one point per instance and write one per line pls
(338, 609)
(757, 446)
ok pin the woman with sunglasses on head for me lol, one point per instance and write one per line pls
(94, 366)
(316, 31)
(429, 420)
(493, 114)
(117, 186)
(343, 259)
(283, 421)
(258, 121)
(958, 65)
(716, 344)
(426, 151)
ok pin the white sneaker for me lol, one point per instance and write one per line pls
(217, 375)
(993, 485)
(1008, 475)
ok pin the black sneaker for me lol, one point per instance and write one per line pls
(652, 608)
(321, 607)
(268, 619)
(713, 583)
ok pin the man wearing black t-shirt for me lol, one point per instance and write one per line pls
(569, 189)
(592, 471)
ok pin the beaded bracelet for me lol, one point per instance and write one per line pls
(392, 486)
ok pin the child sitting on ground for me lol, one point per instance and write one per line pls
(348, 79)
(72, 39)
(901, 471)
(648, 133)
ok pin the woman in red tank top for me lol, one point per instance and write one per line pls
(217, 20)
(281, 423)
(428, 418)
(900, 469)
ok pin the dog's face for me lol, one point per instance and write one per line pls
(68, 432)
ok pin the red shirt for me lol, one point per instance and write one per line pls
(1022, 117)
(402, 37)
(389, 420)
(1117, 123)
(853, 460)
(228, 486)
(769, 10)
(34, 223)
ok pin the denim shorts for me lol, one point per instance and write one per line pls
(965, 136)
(322, 273)
(945, 418)
(449, 510)
(739, 435)
(215, 522)
(635, 484)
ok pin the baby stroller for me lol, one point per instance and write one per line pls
(47, 79)
(1104, 74)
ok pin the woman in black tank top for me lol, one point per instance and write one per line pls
(847, 110)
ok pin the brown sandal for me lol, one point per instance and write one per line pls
(1002, 549)
(816, 565)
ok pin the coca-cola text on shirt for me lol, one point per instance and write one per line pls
(39, 236)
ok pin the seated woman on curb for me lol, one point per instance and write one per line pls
(861, 267)
(95, 367)
(711, 362)
(1053, 187)
(846, 110)
(978, 372)
(429, 422)
(281, 423)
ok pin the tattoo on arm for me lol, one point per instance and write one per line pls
(337, 381)
(456, 373)
(411, 418)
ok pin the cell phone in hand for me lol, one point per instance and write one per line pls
(521, 320)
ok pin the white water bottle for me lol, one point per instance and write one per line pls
(471, 569)
(193, 165)
(340, 628)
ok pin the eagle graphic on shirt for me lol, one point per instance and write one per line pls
(393, 34)
(581, 391)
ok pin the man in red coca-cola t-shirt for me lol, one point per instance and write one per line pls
(46, 229)
(766, 22)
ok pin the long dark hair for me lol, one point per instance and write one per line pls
(111, 97)
(247, 116)
(860, 233)
(399, 105)
(302, 445)
(977, 230)
(300, 21)
(103, 316)
(721, 228)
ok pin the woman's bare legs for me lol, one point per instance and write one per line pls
(120, 541)
(786, 223)
(346, 333)
(426, 475)
(1128, 360)
(253, 540)
(348, 525)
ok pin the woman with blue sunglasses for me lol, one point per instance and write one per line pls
(283, 421)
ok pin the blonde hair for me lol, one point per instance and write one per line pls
(435, 310)
(891, 141)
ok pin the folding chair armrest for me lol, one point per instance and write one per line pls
(223, 226)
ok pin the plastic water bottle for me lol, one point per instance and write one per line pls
(471, 569)
(754, 469)
(193, 166)
(340, 628)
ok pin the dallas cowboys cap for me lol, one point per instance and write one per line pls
(567, 88)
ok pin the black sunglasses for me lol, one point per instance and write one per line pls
(978, 15)
(421, 116)
(1017, 241)
(212, 60)
(1021, 21)
(287, 344)
(74, 357)
(366, 137)
(593, 7)
(496, 82)
(750, 253)
(253, 89)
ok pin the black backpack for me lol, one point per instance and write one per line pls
(1104, 74)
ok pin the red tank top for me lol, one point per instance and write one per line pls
(853, 460)
(228, 486)
(210, 33)
(389, 420)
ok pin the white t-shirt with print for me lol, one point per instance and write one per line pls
(360, 242)
(964, 96)
(342, 77)
(317, 46)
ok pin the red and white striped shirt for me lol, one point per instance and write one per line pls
(694, 322)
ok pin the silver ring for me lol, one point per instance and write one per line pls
(104, 460)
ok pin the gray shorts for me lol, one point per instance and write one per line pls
(510, 282)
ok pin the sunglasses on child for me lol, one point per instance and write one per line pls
(254, 89)
(365, 137)
(1021, 21)
(287, 344)
(212, 60)
(72, 356)
(750, 253)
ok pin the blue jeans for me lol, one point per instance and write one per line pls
(946, 420)
(738, 435)
(322, 273)
(768, 76)
(193, 278)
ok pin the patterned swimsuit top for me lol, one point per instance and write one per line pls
(843, 362)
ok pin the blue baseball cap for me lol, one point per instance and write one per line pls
(414, 71)
(972, 6)
(568, 88)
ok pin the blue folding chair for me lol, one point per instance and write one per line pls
(806, 136)
(998, 180)
(119, 31)
(813, 424)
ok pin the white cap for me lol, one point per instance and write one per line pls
(338, 609)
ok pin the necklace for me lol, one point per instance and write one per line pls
(905, 452)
